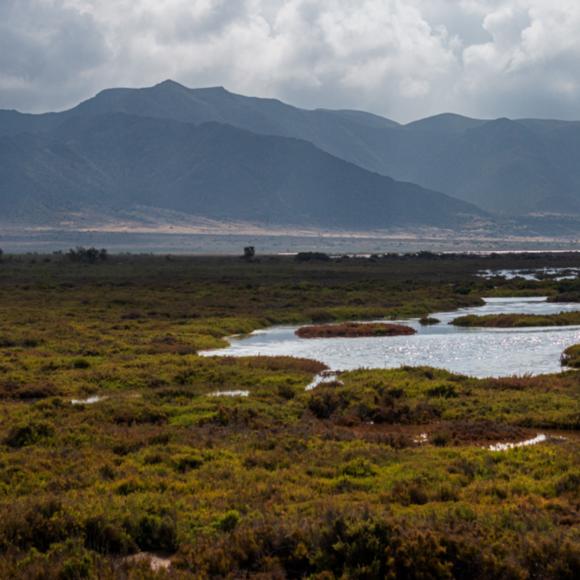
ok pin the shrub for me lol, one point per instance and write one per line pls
(139, 414)
(154, 533)
(184, 463)
(81, 363)
(229, 521)
(76, 567)
(441, 438)
(129, 486)
(571, 357)
(446, 391)
(410, 493)
(286, 392)
(324, 403)
(107, 537)
(36, 524)
(568, 483)
(28, 342)
(29, 434)
(13, 390)
(359, 467)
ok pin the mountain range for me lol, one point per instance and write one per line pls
(214, 154)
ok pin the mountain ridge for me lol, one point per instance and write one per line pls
(508, 167)
(217, 171)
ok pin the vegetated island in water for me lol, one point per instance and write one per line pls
(354, 330)
(429, 321)
(572, 296)
(571, 357)
(518, 320)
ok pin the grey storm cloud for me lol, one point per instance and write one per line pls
(401, 58)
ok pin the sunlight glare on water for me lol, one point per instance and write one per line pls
(477, 352)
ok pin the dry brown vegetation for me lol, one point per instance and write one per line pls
(518, 320)
(354, 330)
(571, 357)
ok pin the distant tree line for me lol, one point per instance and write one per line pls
(87, 255)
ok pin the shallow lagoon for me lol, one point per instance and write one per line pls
(477, 352)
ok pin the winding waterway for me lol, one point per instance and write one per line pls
(479, 352)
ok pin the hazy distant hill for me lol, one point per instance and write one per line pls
(515, 167)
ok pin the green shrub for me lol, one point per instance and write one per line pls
(129, 486)
(77, 568)
(36, 524)
(154, 533)
(184, 462)
(81, 363)
(29, 434)
(286, 392)
(324, 403)
(229, 521)
(444, 390)
(441, 438)
(107, 537)
(359, 467)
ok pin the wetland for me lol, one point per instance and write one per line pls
(139, 440)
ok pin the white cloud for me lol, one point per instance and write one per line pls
(530, 64)
(401, 58)
(46, 50)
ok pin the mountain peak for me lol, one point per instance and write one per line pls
(446, 122)
(169, 84)
(217, 90)
(502, 121)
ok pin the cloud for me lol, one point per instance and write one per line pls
(47, 51)
(401, 58)
(530, 64)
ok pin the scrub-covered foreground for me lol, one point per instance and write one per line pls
(150, 472)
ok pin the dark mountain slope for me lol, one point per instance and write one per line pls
(13, 123)
(40, 176)
(217, 171)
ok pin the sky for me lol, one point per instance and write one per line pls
(404, 59)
